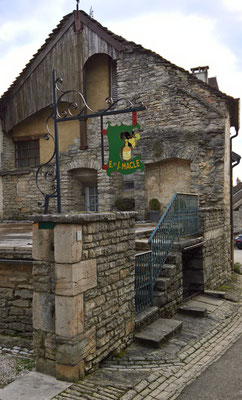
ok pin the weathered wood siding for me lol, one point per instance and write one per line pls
(67, 56)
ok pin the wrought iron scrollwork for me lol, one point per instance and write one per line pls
(72, 108)
(113, 104)
(46, 173)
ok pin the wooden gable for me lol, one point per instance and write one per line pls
(66, 51)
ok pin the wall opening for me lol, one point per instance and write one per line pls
(192, 269)
(84, 191)
(165, 178)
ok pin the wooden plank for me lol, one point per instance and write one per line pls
(39, 58)
(102, 33)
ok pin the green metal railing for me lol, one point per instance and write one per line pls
(179, 219)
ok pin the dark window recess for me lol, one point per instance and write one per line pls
(27, 153)
(128, 182)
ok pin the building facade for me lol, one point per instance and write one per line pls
(184, 138)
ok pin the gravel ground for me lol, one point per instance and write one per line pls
(12, 367)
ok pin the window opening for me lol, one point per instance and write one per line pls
(91, 198)
(27, 153)
(128, 182)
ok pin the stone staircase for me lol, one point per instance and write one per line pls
(154, 325)
(150, 328)
(169, 281)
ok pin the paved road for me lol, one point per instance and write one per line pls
(238, 255)
(16, 235)
(221, 381)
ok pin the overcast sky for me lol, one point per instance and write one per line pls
(189, 33)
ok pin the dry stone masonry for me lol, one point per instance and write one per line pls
(16, 295)
(83, 281)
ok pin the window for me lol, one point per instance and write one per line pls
(91, 198)
(128, 182)
(27, 153)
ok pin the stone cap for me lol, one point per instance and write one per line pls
(82, 218)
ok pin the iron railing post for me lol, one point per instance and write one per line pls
(57, 156)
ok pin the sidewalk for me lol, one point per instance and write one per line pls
(149, 373)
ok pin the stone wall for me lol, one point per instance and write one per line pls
(184, 121)
(237, 220)
(216, 252)
(158, 186)
(16, 297)
(1, 184)
(83, 280)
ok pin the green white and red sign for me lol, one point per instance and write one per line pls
(122, 141)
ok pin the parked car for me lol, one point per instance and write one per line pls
(238, 241)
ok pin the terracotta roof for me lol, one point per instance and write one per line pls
(129, 46)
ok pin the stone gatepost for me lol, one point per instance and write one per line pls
(83, 283)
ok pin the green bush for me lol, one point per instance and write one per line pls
(238, 268)
(154, 204)
(125, 204)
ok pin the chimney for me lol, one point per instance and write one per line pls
(201, 73)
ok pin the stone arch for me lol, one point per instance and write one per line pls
(99, 79)
(164, 178)
(82, 185)
(90, 164)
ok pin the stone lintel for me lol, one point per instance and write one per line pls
(73, 279)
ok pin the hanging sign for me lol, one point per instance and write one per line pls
(122, 140)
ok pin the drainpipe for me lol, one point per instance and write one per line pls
(232, 165)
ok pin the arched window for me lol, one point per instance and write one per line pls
(99, 82)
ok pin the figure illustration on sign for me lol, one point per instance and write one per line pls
(122, 140)
(129, 143)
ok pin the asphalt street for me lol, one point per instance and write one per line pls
(238, 255)
(220, 381)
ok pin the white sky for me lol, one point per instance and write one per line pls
(189, 33)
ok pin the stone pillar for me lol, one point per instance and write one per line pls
(79, 275)
(1, 184)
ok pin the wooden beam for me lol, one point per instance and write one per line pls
(102, 33)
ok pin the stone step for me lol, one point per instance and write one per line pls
(171, 258)
(162, 284)
(159, 298)
(142, 244)
(200, 312)
(146, 317)
(158, 332)
(168, 271)
(215, 293)
(144, 231)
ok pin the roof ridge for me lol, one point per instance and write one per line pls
(123, 41)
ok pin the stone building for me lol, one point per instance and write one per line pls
(184, 139)
(237, 207)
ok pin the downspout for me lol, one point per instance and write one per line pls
(231, 199)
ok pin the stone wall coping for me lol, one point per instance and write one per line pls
(15, 254)
(187, 243)
(82, 218)
(215, 208)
